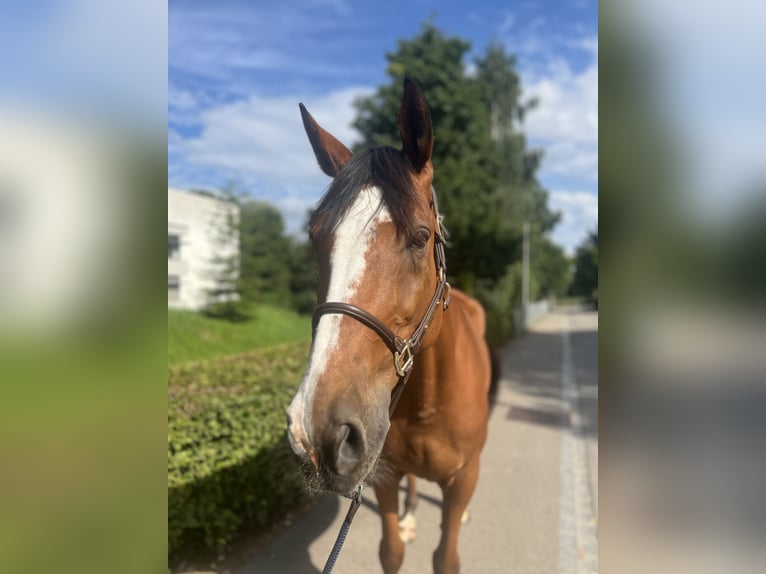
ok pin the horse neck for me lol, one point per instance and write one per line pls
(432, 365)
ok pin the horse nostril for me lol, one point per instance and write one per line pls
(350, 447)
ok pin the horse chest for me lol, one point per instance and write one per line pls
(422, 448)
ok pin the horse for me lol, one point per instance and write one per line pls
(356, 418)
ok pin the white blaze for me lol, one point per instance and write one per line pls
(347, 264)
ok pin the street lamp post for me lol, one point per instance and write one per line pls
(525, 279)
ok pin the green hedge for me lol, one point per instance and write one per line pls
(229, 463)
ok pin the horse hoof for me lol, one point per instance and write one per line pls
(407, 526)
(466, 517)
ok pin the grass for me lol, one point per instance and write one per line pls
(194, 337)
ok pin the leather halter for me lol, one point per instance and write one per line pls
(403, 350)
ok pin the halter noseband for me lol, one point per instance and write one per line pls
(403, 350)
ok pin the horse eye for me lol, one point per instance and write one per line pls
(421, 237)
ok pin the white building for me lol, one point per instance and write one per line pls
(195, 241)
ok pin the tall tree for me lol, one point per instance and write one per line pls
(585, 282)
(484, 173)
(518, 197)
(303, 276)
(552, 268)
(264, 254)
(224, 298)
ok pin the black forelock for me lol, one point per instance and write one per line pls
(385, 168)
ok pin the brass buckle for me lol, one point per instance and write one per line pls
(403, 360)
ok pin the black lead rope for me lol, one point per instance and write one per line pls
(356, 502)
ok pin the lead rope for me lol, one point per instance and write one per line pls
(356, 502)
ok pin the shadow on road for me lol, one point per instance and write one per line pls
(531, 374)
(291, 553)
(550, 417)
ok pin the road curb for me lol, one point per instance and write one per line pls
(578, 524)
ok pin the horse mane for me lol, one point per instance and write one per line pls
(385, 168)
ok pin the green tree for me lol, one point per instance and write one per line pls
(483, 171)
(585, 281)
(551, 267)
(265, 253)
(269, 266)
(303, 276)
(225, 299)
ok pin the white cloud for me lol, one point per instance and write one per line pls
(509, 19)
(261, 141)
(211, 42)
(578, 160)
(338, 6)
(565, 126)
(263, 137)
(565, 122)
(181, 99)
(231, 44)
(579, 215)
(589, 44)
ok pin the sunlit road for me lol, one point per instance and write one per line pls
(535, 508)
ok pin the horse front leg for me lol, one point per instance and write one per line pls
(407, 523)
(391, 545)
(457, 493)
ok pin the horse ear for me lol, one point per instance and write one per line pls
(330, 153)
(415, 126)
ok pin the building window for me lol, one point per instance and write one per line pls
(174, 246)
(174, 287)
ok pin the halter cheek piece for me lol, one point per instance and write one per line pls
(403, 350)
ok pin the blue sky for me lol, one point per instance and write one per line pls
(237, 70)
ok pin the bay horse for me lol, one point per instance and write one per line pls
(383, 292)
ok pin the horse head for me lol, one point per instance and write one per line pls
(377, 238)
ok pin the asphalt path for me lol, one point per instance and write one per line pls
(535, 508)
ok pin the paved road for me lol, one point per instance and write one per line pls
(534, 510)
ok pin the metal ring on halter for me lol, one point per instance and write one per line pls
(403, 360)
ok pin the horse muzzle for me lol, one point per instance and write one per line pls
(343, 459)
(344, 454)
